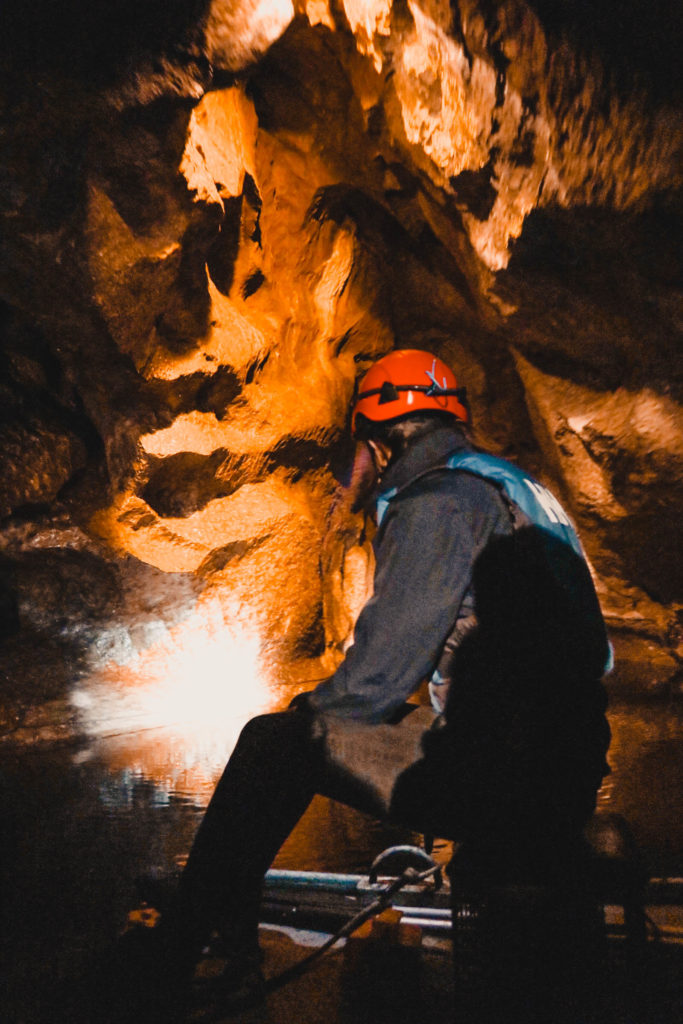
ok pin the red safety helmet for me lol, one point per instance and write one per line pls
(408, 381)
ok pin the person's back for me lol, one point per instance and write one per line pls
(527, 708)
(526, 739)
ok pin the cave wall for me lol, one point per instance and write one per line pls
(216, 215)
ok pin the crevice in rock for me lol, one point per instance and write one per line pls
(475, 190)
(222, 255)
(255, 368)
(218, 392)
(222, 557)
(179, 485)
(252, 283)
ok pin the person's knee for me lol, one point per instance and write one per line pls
(258, 729)
(256, 726)
(281, 728)
(266, 746)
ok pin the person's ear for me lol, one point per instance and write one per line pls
(381, 454)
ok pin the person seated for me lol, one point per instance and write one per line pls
(481, 587)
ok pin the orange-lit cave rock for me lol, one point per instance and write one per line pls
(216, 215)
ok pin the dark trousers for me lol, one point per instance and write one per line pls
(401, 772)
(280, 762)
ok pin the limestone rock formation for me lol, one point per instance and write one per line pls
(215, 215)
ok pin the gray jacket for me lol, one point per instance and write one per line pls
(425, 551)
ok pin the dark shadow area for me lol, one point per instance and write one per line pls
(181, 484)
(474, 190)
(252, 284)
(343, 202)
(33, 384)
(218, 392)
(137, 158)
(601, 285)
(301, 83)
(590, 243)
(212, 391)
(56, 602)
(240, 229)
(97, 38)
(381, 230)
(649, 545)
(223, 253)
(73, 841)
(637, 40)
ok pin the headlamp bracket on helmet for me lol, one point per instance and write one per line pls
(390, 392)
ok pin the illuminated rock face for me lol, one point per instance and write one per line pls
(217, 216)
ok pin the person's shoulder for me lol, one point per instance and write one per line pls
(454, 485)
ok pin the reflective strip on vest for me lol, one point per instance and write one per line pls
(535, 500)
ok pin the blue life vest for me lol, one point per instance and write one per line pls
(535, 501)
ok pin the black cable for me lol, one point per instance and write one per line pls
(410, 875)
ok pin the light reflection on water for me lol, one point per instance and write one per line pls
(645, 785)
(172, 712)
(208, 669)
(163, 725)
(165, 767)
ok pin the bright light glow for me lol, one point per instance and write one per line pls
(179, 705)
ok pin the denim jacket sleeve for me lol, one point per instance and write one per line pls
(424, 553)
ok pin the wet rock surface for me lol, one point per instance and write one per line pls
(215, 216)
